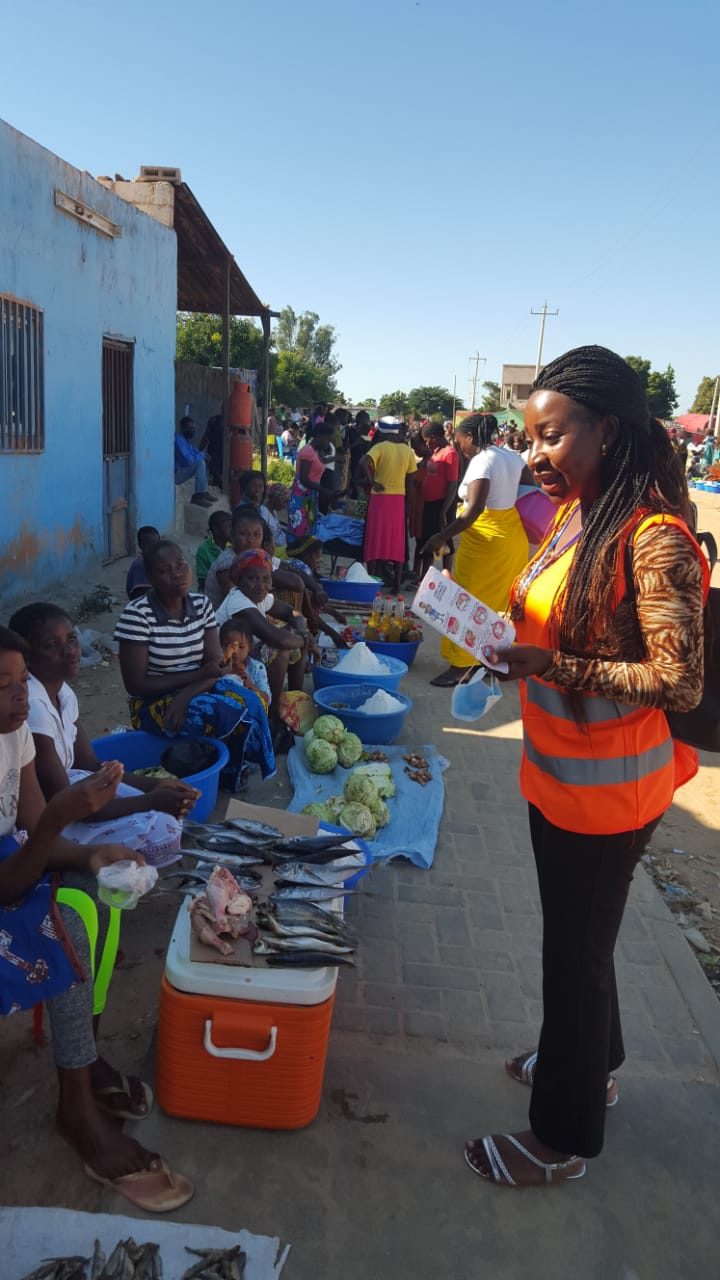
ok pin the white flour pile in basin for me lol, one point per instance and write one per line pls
(382, 703)
(361, 661)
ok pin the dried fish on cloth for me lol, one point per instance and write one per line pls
(31, 1235)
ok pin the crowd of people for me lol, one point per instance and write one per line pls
(608, 617)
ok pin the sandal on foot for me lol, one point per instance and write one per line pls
(154, 1190)
(124, 1089)
(448, 679)
(569, 1170)
(522, 1069)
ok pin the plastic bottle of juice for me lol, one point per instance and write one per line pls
(371, 630)
(377, 607)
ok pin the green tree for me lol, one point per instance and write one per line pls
(199, 340)
(306, 337)
(393, 402)
(491, 401)
(298, 383)
(368, 403)
(704, 396)
(660, 387)
(429, 400)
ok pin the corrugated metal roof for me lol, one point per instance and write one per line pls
(201, 258)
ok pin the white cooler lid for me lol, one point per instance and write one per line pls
(236, 982)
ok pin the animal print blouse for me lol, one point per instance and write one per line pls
(661, 631)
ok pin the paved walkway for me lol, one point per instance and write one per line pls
(447, 982)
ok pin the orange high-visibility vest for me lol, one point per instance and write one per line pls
(618, 771)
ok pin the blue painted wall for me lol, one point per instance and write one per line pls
(89, 287)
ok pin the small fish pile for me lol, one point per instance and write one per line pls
(128, 1261)
(216, 1264)
(304, 934)
(223, 908)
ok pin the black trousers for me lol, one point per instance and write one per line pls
(584, 882)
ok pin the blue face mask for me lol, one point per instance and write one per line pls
(473, 698)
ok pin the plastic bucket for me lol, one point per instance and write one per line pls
(405, 650)
(379, 730)
(138, 750)
(326, 676)
(357, 592)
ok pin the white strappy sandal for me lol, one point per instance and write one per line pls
(526, 1075)
(501, 1176)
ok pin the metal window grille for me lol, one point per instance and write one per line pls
(22, 415)
(117, 398)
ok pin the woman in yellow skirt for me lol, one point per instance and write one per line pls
(493, 546)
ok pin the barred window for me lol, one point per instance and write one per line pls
(22, 417)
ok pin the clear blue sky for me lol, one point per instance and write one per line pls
(420, 174)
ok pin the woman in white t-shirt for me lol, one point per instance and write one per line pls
(493, 546)
(146, 813)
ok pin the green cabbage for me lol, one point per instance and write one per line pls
(358, 819)
(349, 750)
(361, 789)
(380, 813)
(380, 774)
(329, 728)
(321, 755)
(322, 811)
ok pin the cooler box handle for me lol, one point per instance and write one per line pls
(242, 1055)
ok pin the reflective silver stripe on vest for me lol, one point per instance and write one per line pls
(584, 772)
(557, 703)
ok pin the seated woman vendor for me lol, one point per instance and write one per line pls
(248, 532)
(46, 956)
(282, 638)
(145, 814)
(172, 667)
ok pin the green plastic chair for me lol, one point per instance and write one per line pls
(81, 902)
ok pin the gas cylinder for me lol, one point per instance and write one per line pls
(240, 444)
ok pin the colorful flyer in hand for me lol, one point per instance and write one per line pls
(470, 624)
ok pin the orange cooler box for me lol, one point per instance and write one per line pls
(241, 1046)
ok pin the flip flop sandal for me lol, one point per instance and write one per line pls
(154, 1190)
(527, 1075)
(448, 680)
(501, 1176)
(123, 1090)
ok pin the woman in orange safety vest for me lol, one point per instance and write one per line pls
(608, 617)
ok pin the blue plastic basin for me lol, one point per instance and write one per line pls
(357, 592)
(325, 676)
(139, 750)
(369, 728)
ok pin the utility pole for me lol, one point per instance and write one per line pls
(542, 313)
(714, 412)
(477, 358)
(454, 397)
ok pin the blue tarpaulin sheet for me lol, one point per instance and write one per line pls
(345, 528)
(415, 811)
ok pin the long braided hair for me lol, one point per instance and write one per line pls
(483, 427)
(639, 470)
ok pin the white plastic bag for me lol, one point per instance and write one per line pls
(473, 698)
(123, 884)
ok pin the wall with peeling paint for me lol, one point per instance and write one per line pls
(89, 287)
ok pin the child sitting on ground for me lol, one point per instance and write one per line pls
(218, 539)
(136, 583)
(237, 640)
(304, 558)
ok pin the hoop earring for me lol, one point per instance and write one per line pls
(603, 450)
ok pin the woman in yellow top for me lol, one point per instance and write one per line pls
(387, 467)
(608, 617)
(493, 544)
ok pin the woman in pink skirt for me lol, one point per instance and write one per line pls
(388, 466)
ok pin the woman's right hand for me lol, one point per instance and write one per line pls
(212, 669)
(175, 798)
(176, 713)
(377, 488)
(84, 798)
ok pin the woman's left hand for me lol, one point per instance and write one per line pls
(523, 660)
(432, 544)
(103, 855)
(175, 714)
